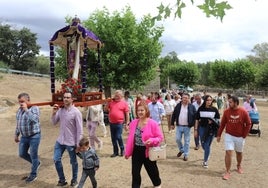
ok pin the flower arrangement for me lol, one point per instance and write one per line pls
(72, 85)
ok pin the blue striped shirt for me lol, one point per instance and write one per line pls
(28, 122)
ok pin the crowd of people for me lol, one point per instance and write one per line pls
(142, 118)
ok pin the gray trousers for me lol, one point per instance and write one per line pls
(85, 174)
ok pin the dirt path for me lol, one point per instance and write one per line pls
(116, 172)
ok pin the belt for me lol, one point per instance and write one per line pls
(35, 134)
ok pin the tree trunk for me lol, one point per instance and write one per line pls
(107, 92)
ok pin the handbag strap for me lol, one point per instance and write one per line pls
(161, 124)
(163, 132)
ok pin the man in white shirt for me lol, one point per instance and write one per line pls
(184, 115)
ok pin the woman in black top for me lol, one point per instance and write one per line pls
(206, 125)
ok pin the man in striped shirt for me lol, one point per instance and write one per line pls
(28, 126)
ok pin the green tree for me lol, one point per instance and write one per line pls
(164, 64)
(209, 7)
(205, 71)
(262, 76)
(185, 73)
(61, 70)
(18, 48)
(220, 72)
(131, 49)
(6, 43)
(41, 65)
(241, 74)
(233, 75)
(260, 53)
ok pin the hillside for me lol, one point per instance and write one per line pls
(12, 84)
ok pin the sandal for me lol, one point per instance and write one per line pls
(226, 176)
(239, 170)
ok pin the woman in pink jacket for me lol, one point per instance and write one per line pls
(143, 133)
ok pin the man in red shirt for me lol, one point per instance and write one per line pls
(118, 114)
(236, 122)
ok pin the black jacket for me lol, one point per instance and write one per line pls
(191, 114)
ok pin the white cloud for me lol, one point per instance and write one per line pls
(194, 37)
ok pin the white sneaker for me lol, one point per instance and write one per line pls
(205, 164)
(159, 186)
(100, 145)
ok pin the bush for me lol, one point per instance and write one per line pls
(3, 65)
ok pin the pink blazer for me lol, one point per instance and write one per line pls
(150, 131)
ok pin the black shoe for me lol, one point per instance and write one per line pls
(62, 183)
(74, 183)
(31, 179)
(114, 155)
(179, 154)
(185, 158)
(122, 154)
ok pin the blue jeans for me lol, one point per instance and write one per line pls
(116, 136)
(206, 141)
(32, 143)
(186, 131)
(58, 151)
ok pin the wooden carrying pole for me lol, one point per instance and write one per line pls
(81, 104)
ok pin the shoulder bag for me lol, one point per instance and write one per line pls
(158, 152)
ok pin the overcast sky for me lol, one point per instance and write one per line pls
(194, 37)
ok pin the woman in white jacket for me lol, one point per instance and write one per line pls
(94, 116)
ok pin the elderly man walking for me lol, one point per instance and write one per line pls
(118, 114)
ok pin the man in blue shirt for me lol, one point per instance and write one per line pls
(157, 110)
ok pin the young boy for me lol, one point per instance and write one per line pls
(90, 162)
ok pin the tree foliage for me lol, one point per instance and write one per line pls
(41, 65)
(18, 48)
(209, 7)
(185, 73)
(130, 54)
(205, 74)
(260, 53)
(164, 64)
(233, 74)
(220, 72)
(262, 76)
